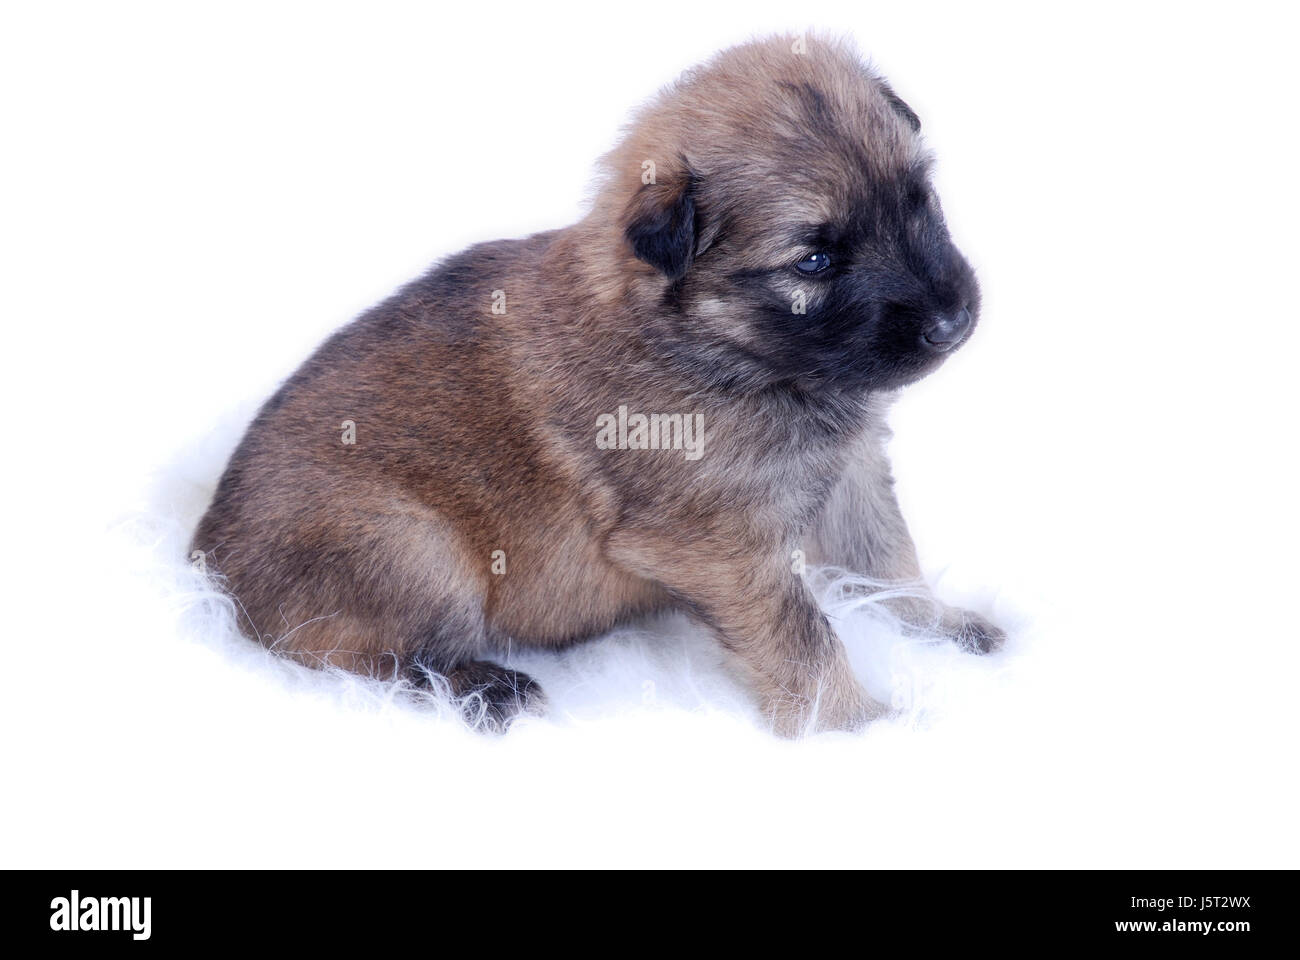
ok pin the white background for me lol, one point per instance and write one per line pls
(194, 195)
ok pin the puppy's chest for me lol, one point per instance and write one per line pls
(771, 472)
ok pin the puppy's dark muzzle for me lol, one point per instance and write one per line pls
(945, 332)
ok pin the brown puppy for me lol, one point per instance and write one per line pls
(666, 405)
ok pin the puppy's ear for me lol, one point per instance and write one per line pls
(900, 107)
(660, 223)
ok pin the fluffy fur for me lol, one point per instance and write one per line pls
(475, 512)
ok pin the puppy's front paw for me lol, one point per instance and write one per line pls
(847, 709)
(973, 633)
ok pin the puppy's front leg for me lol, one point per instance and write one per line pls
(762, 612)
(861, 528)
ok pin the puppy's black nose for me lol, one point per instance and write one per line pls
(945, 332)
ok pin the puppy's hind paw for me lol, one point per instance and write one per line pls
(490, 697)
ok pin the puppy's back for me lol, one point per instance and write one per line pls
(379, 433)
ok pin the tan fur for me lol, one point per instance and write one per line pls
(475, 430)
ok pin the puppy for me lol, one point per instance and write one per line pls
(668, 405)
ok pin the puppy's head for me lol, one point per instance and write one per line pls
(775, 213)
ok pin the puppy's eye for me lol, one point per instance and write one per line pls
(814, 263)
